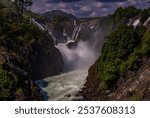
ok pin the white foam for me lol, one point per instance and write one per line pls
(65, 86)
(130, 21)
(136, 22)
(53, 37)
(92, 27)
(65, 34)
(76, 31)
(146, 21)
(79, 58)
(38, 24)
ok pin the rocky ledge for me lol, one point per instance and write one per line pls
(134, 85)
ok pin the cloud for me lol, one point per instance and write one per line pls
(85, 8)
(111, 0)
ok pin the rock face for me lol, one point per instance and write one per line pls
(45, 60)
(52, 14)
(134, 82)
(20, 86)
(91, 30)
(91, 90)
(37, 61)
(136, 86)
(27, 53)
(132, 86)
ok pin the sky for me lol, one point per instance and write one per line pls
(85, 8)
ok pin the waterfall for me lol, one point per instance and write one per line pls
(44, 28)
(75, 23)
(38, 24)
(136, 22)
(53, 37)
(65, 34)
(130, 21)
(77, 61)
(76, 31)
(146, 21)
(79, 58)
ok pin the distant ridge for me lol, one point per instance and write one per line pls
(51, 14)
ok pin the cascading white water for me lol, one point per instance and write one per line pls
(146, 21)
(76, 31)
(65, 86)
(76, 63)
(130, 21)
(53, 37)
(136, 22)
(65, 34)
(38, 24)
(79, 58)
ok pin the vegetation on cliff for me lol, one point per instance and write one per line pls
(120, 53)
(124, 48)
(122, 70)
(144, 15)
(122, 15)
(127, 12)
(25, 53)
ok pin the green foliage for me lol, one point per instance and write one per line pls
(19, 92)
(145, 45)
(128, 12)
(28, 14)
(17, 42)
(21, 5)
(118, 53)
(144, 15)
(7, 85)
(129, 64)
(110, 73)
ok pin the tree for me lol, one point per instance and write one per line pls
(20, 6)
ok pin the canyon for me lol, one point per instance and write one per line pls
(56, 56)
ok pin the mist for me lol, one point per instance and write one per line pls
(82, 57)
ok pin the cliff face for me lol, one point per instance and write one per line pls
(27, 53)
(32, 62)
(132, 86)
(45, 59)
(136, 85)
(91, 30)
(122, 70)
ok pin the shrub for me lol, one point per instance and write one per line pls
(129, 64)
(7, 85)
(144, 15)
(128, 12)
(118, 53)
(145, 46)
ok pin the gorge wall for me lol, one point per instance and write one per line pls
(122, 70)
(29, 52)
(26, 54)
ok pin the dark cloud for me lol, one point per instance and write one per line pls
(85, 8)
(112, 0)
(56, 1)
(70, 0)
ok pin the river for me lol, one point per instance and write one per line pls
(68, 85)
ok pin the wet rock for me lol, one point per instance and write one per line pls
(68, 96)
